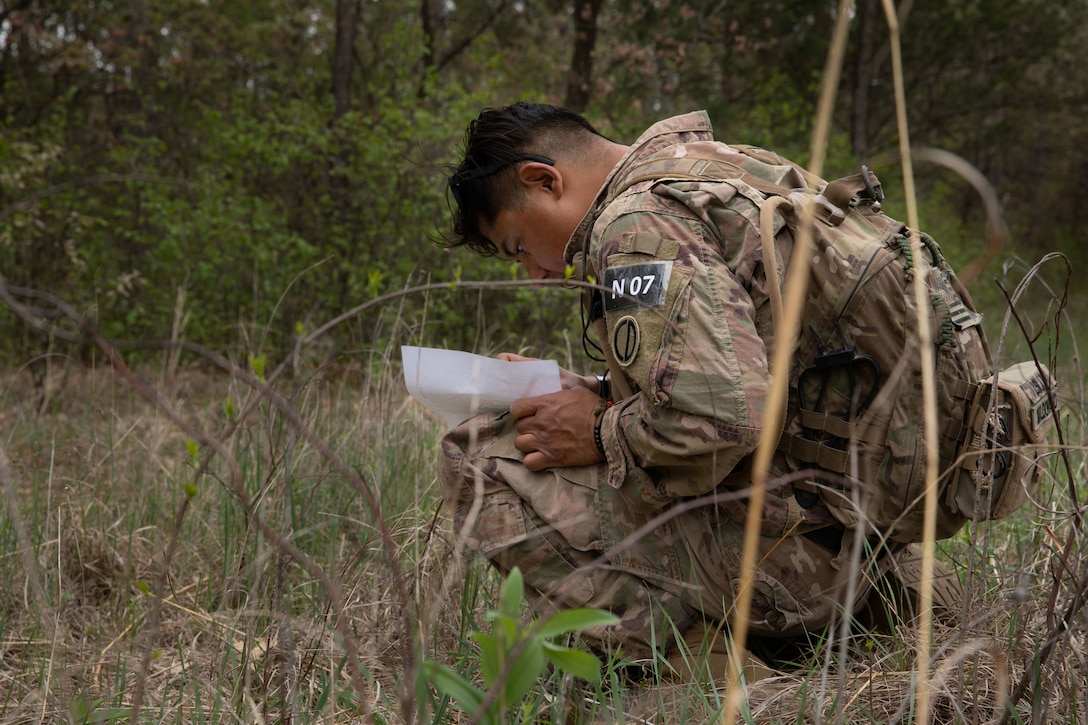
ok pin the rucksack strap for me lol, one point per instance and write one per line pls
(957, 429)
(696, 169)
(825, 456)
(843, 193)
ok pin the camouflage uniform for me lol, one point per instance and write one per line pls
(689, 333)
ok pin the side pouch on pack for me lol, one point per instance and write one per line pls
(1004, 442)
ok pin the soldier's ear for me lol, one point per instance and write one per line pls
(541, 177)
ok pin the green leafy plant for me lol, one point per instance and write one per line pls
(512, 657)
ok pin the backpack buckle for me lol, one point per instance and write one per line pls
(874, 191)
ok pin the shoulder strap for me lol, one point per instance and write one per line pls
(696, 169)
(841, 194)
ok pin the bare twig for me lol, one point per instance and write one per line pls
(1060, 629)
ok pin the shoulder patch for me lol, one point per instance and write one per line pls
(636, 285)
(626, 339)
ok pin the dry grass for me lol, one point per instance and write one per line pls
(96, 494)
(97, 521)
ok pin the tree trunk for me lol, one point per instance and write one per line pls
(864, 68)
(342, 55)
(427, 22)
(580, 78)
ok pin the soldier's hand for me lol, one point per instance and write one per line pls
(567, 379)
(557, 429)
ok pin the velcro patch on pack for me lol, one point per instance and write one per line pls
(637, 285)
(1026, 384)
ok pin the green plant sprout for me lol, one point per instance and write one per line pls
(512, 657)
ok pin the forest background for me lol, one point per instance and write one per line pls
(238, 173)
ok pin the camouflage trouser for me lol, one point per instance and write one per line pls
(578, 543)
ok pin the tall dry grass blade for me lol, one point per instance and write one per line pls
(171, 356)
(796, 285)
(929, 389)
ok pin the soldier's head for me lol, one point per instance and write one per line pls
(530, 172)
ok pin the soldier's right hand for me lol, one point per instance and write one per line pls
(557, 429)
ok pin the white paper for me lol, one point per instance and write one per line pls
(458, 385)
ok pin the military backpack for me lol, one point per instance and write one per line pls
(854, 422)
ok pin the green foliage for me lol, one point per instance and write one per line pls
(84, 711)
(225, 179)
(182, 170)
(512, 657)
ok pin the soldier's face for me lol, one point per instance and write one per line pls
(536, 233)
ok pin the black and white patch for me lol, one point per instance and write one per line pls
(626, 338)
(636, 285)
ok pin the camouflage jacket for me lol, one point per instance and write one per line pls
(687, 315)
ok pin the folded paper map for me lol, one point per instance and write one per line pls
(458, 385)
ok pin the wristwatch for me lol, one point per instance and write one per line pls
(603, 387)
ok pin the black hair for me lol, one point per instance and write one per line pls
(495, 142)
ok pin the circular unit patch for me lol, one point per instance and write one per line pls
(626, 338)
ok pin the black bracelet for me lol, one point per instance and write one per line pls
(597, 435)
(598, 418)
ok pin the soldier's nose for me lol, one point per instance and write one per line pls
(534, 270)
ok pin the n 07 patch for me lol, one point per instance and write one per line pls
(636, 285)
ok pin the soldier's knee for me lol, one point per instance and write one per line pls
(801, 586)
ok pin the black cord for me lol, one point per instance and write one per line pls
(587, 342)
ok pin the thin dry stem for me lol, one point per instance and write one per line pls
(796, 285)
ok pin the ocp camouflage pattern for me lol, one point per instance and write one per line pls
(625, 535)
